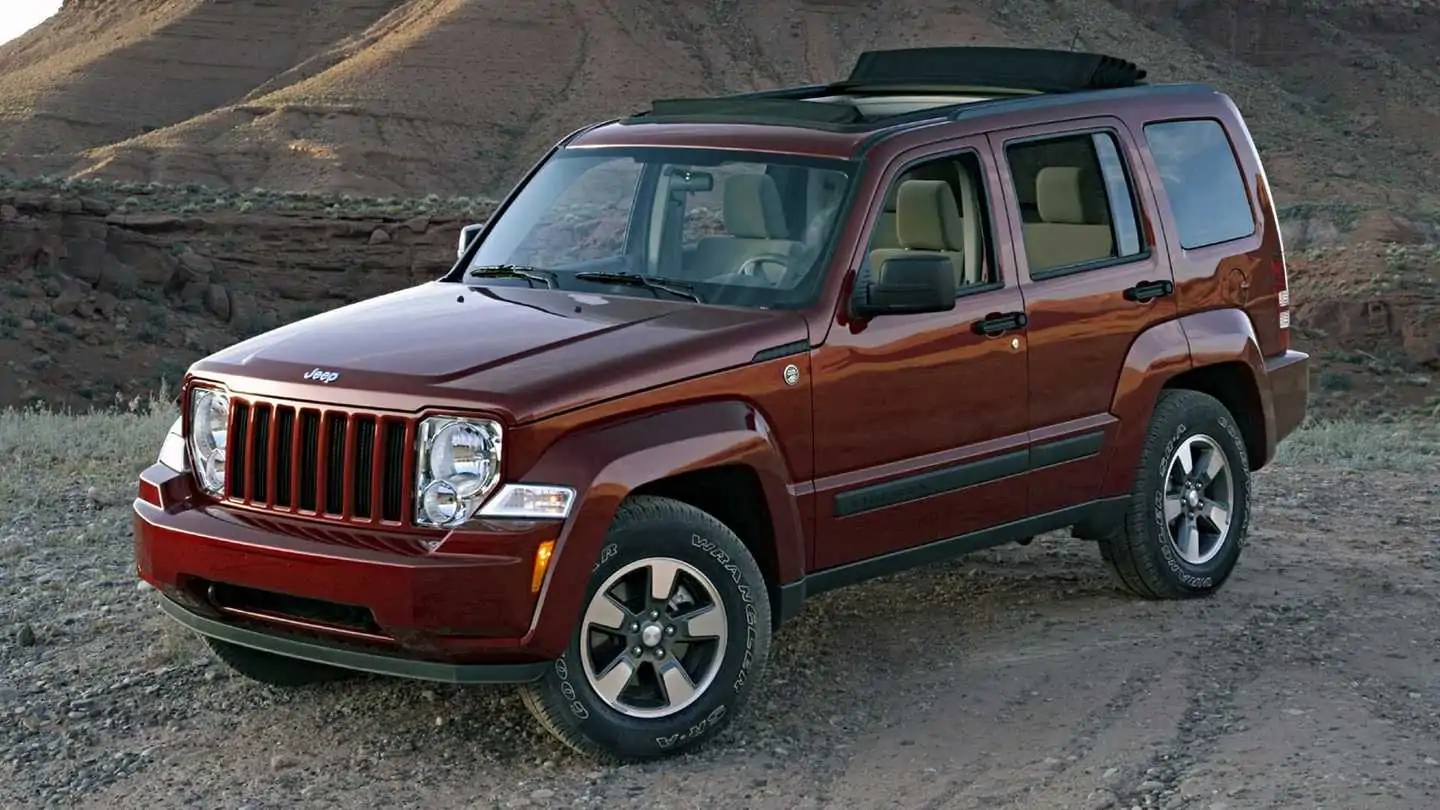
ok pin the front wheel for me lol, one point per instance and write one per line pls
(676, 630)
(1190, 504)
(274, 670)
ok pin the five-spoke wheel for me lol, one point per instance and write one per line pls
(675, 630)
(1199, 495)
(1189, 505)
(654, 635)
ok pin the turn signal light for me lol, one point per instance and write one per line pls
(542, 562)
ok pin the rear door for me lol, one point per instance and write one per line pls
(1094, 276)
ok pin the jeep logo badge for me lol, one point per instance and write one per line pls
(321, 375)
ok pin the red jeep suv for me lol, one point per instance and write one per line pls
(718, 356)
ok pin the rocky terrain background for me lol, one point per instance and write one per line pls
(178, 174)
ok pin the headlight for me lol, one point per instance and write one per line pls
(459, 465)
(209, 433)
(172, 452)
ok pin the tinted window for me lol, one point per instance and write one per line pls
(1206, 190)
(938, 207)
(586, 221)
(737, 229)
(1075, 201)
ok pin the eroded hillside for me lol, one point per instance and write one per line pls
(399, 97)
(216, 147)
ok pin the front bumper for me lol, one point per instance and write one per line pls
(344, 595)
(337, 655)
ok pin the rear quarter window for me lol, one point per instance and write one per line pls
(1202, 181)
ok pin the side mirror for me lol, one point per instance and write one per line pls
(907, 285)
(467, 235)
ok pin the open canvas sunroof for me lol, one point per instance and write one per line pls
(1033, 69)
(892, 86)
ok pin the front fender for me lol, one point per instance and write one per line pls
(608, 463)
(1158, 355)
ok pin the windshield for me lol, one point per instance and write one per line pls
(712, 225)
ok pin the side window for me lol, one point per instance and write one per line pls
(1076, 203)
(588, 221)
(938, 207)
(1203, 182)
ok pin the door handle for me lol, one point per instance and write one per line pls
(998, 322)
(1149, 291)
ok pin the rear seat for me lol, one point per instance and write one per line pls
(1075, 219)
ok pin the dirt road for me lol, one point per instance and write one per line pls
(1011, 679)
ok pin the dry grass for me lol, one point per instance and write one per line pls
(195, 198)
(48, 452)
(1409, 446)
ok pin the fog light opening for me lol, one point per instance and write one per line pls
(441, 503)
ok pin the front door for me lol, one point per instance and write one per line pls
(1093, 278)
(921, 420)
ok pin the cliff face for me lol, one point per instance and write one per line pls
(96, 302)
(170, 113)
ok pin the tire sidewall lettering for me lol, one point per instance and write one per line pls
(738, 594)
(1184, 573)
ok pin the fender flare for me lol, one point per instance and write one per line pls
(1158, 355)
(608, 463)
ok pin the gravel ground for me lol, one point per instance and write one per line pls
(1016, 678)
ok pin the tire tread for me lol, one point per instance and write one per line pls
(542, 701)
(1127, 549)
(275, 670)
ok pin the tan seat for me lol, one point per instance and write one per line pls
(927, 221)
(1075, 219)
(754, 224)
(885, 234)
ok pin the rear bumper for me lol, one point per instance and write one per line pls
(338, 595)
(1289, 378)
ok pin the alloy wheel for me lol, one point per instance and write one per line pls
(653, 637)
(1199, 499)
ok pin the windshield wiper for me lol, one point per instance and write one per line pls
(661, 283)
(516, 271)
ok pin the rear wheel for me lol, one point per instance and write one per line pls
(675, 632)
(274, 670)
(1189, 507)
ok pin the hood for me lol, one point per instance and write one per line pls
(518, 352)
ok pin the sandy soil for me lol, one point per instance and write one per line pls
(1017, 678)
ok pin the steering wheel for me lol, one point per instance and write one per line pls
(750, 265)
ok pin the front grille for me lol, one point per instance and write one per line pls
(316, 461)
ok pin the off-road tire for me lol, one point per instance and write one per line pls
(275, 670)
(646, 528)
(1140, 551)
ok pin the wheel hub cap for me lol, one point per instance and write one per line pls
(1199, 499)
(653, 637)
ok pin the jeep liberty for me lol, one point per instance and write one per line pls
(723, 354)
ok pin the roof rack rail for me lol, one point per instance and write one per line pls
(1034, 69)
(755, 107)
